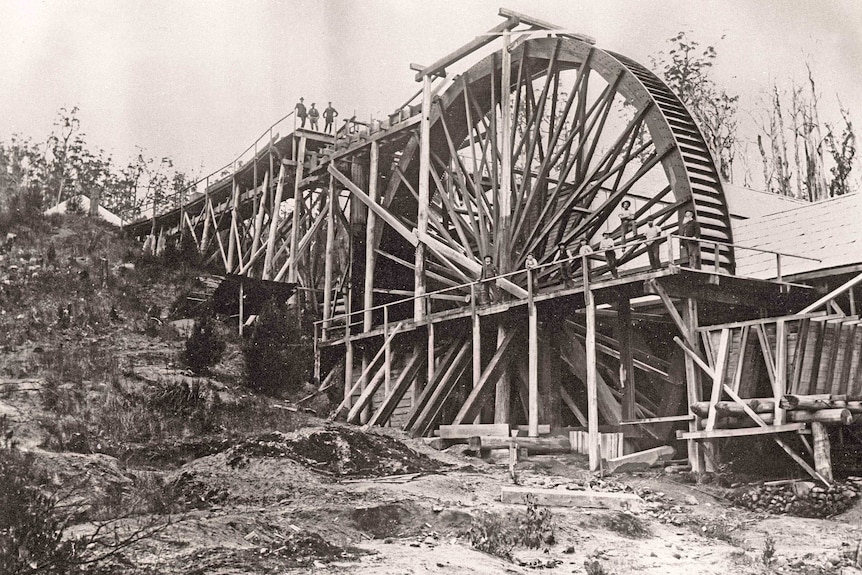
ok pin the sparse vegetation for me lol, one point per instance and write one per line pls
(767, 554)
(492, 533)
(204, 347)
(627, 525)
(277, 360)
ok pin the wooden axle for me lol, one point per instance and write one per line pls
(820, 401)
(758, 405)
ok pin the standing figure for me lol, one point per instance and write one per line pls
(690, 249)
(627, 220)
(607, 246)
(563, 257)
(532, 272)
(489, 270)
(313, 115)
(583, 249)
(301, 112)
(652, 235)
(329, 115)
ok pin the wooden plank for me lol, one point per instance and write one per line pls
(799, 355)
(402, 383)
(834, 346)
(533, 365)
(754, 322)
(367, 394)
(592, 384)
(467, 430)
(743, 432)
(536, 445)
(638, 461)
(570, 498)
(822, 450)
(819, 342)
(627, 371)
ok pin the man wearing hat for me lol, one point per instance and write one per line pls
(607, 246)
(301, 112)
(627, 219)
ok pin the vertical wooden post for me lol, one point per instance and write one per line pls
(477, 337)
(424, 198)
(234, 214)
(258, 218)
(533, 364)
(205, 237)
(297, 203)
(692, 381)
(432, 360)
(503, 395)
(627, 371)
(387, 354)
(273, 226)
(241, 303)
(348, 369)
(822, 450)
(328, 264)
(781, 368)
(368, 293)
(592, 384)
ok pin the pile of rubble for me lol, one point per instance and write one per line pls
(336, 450)
(800, 498)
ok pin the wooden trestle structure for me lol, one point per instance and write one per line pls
(536, 144)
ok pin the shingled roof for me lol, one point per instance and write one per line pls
(830, 230)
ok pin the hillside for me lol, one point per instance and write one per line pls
(144, 467)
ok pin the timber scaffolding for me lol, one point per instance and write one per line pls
(385, 227)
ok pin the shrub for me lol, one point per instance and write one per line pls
(627, 525)
(492, 533)
(204, 347)
(535, 527)
(276, 359)
(31, 533)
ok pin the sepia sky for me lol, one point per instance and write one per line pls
(199, 80)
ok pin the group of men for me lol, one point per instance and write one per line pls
(313, 115)
(689, 250)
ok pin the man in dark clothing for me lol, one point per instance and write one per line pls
(329, 114)
(652, 234)
(489, 270)
(301, 112)
(690, 249)
(313, 115)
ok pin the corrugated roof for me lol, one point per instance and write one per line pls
(830, 231)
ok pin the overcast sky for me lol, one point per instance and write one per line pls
(199, 80)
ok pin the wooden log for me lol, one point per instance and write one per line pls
(535, 445)
(571, 498)
(841, 416)
(822, 450)
(806, 402)
(471, 430)
(758, 405)
(638, 461)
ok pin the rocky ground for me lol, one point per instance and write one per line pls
(216, 480)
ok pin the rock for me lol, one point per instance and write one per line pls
(850, 571)
(802, 488)
(691, 500)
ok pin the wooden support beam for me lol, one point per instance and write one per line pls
(742, 432)
(470, 408)
(329, 257)
(533, 365)
(231, 246)
(822, 450)
(438, 68)
(718, 376)
(399, 388)
(503, 395)
(297, 202)
(833, 294)
(592, 385)
(692, 377)
(627, 371)
(370, 235)
(799, 355)
(430, 402)
(273, 226)
(367, 394)
(468, 430)
(567, 399)
(424, 198)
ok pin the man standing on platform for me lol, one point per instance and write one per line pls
(627, 220)
(652, 235)
(489, 270)
(329, 115)
(563, 256)
(584, 249)
(532, 272)
(301, 112)
(313, 115)
(690, 249)
(607, 246)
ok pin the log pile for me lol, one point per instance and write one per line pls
(801, 498)
(823, 408)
